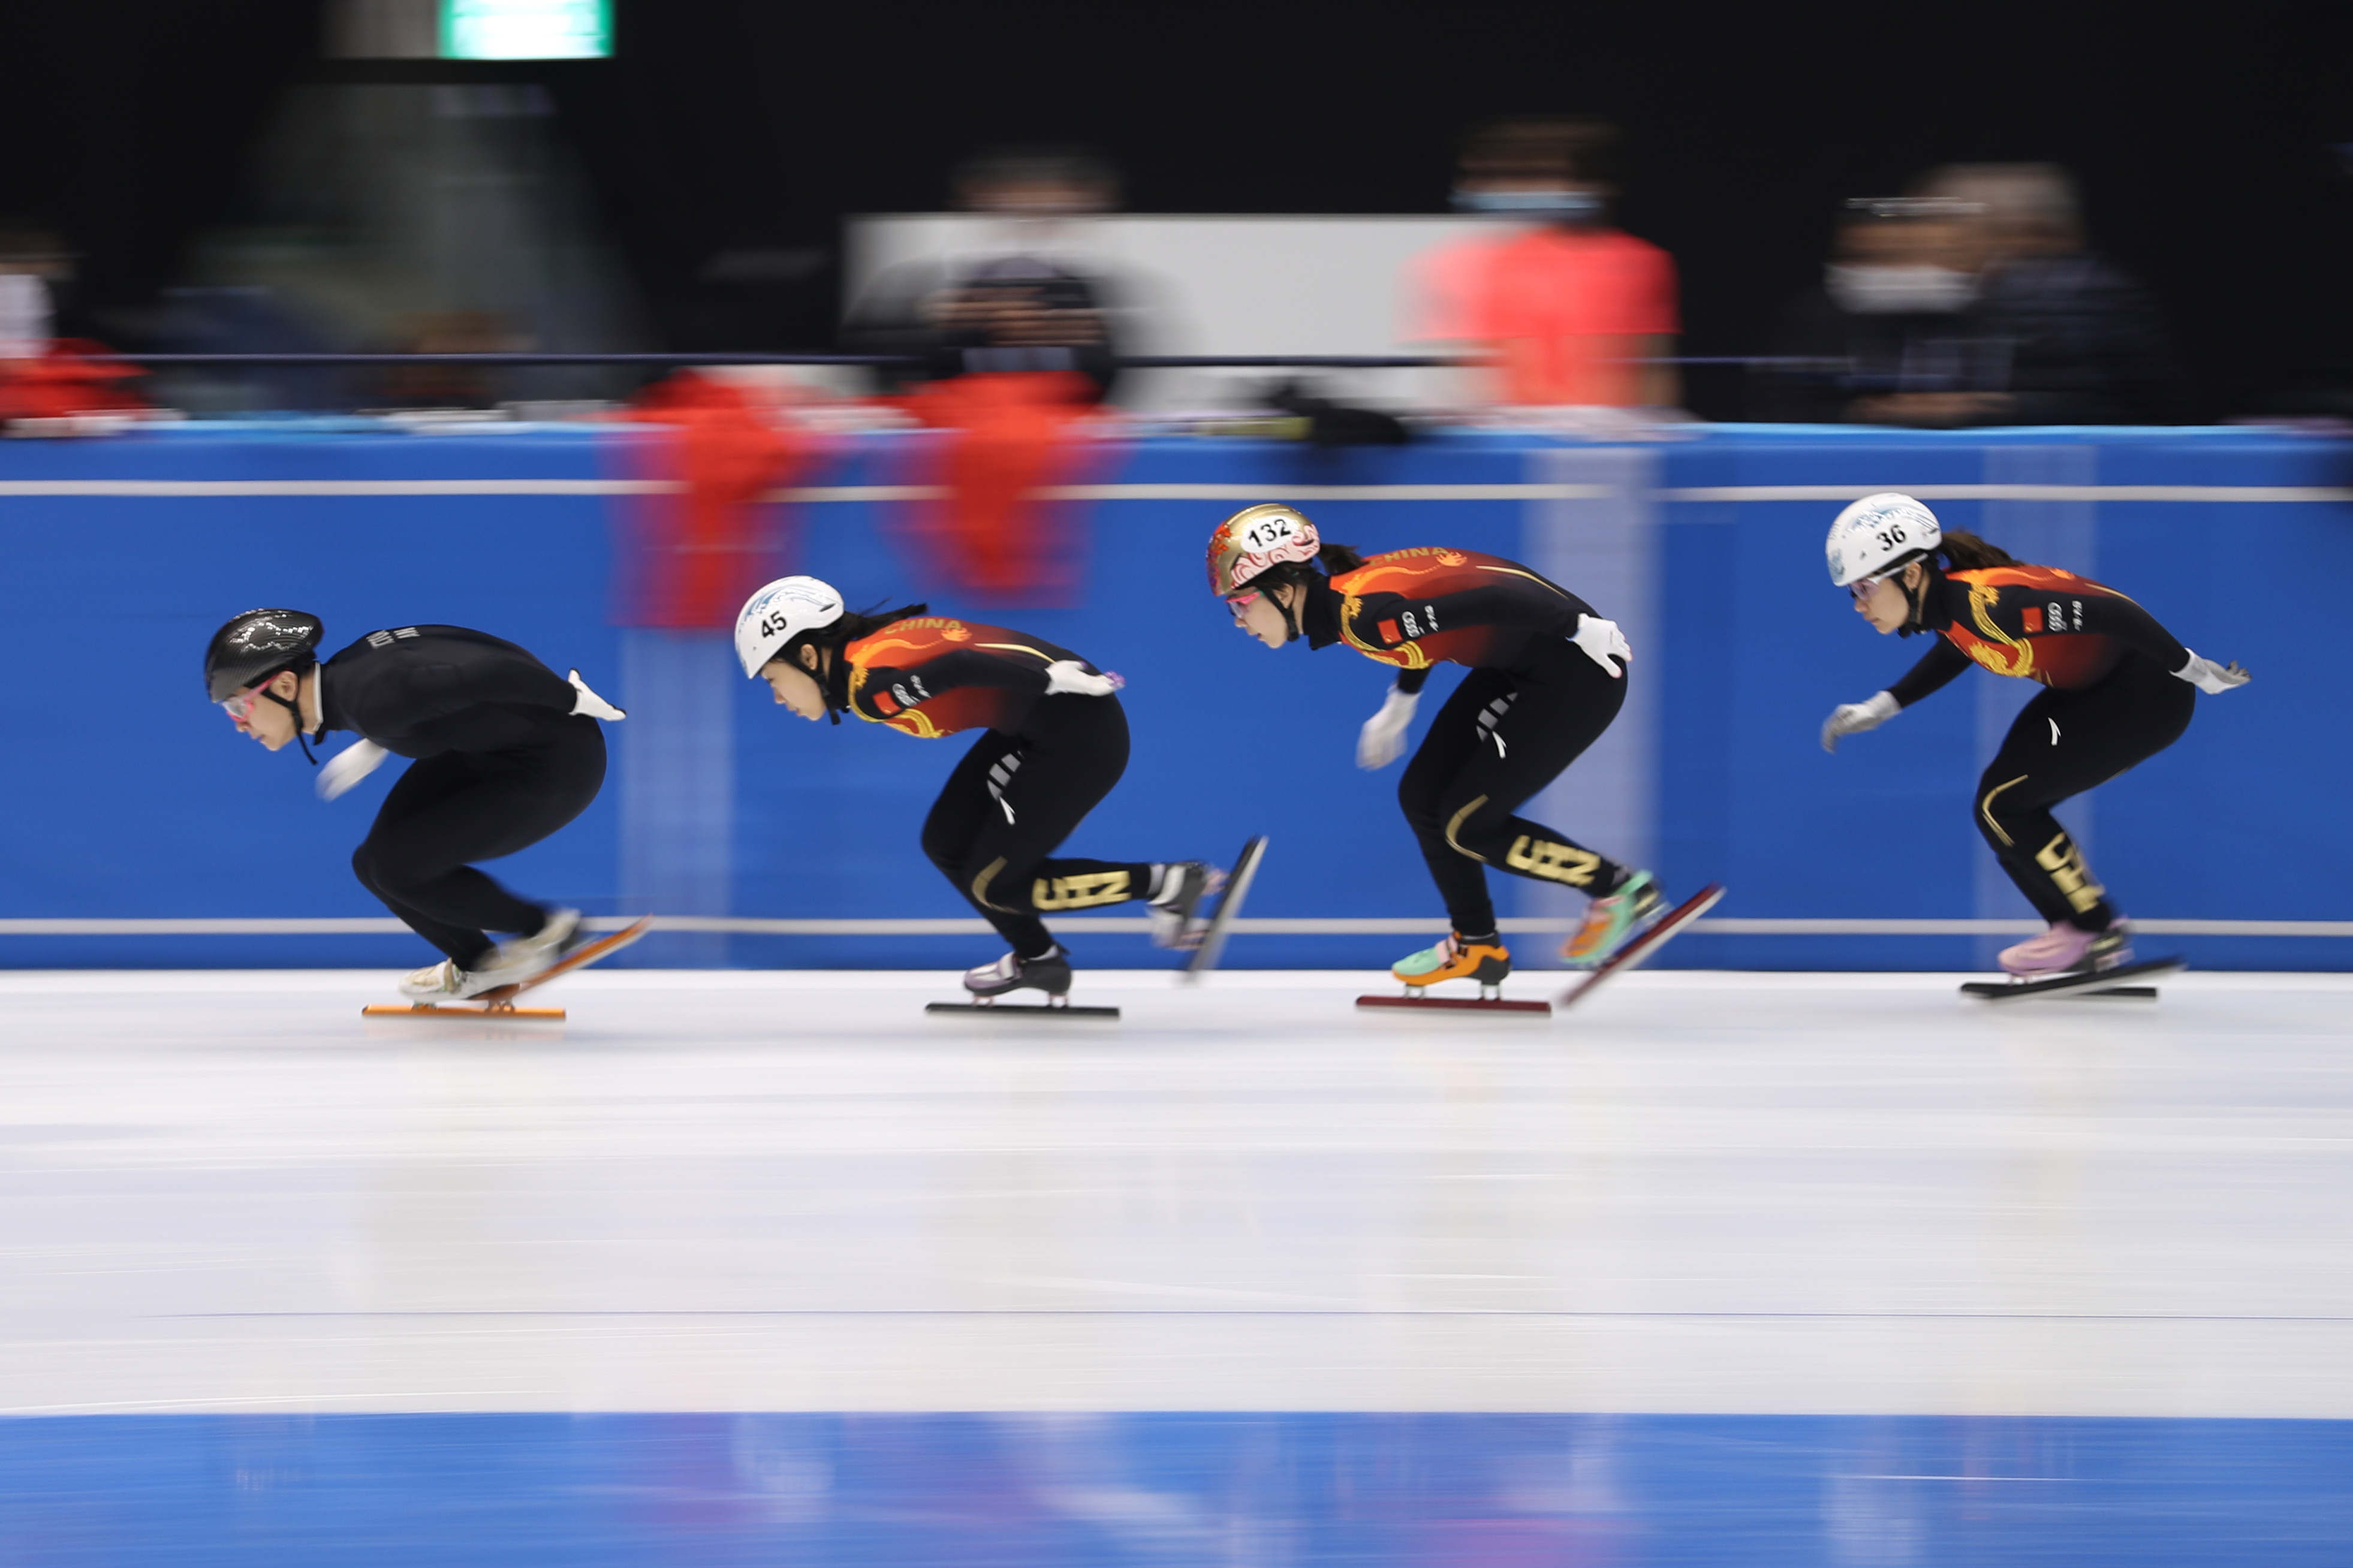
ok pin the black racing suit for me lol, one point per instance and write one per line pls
(2112, 702)
(501, 763)
(1045, 762)
(1531, 703)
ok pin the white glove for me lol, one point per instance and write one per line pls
(1068, 676)
(1852, 718)
(1382, 740)
(1603, 643)
(2211, 678)
(348, 766)
(590, 703)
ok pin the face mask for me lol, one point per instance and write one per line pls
(1540, 206)
(1896, 291)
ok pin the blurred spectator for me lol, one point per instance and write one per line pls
(1567, 308)
(1013, 305)
(34, 267)
(1890, 323)
(1976, 302)
(2087, 343)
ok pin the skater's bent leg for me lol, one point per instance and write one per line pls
(1444, 751)
(1033, 796)
(1497, 743)
(2062, 744)
(450, 810)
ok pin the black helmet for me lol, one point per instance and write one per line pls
(256, 645)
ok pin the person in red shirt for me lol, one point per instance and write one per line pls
(1053, 743)
(1566, 308)
(2118, 690)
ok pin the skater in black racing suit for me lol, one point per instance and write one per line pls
(1054, 742)
(504, 752)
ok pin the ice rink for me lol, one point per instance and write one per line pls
(773, 1267)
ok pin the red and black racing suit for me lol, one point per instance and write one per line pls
(1044, 764)
(1531, 704)
(501, 762)
(2112, 701)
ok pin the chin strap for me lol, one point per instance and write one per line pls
(1916, 601)
(1293, 632)
(295, 708)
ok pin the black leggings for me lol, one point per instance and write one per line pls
(2063, 744)
(456, 808)
(1498, 740)
(1014, 798)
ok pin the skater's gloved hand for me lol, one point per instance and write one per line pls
(1069, 677)
(590, 703)
(348, 766)
(1851, 717)
(1603, 643)
(2211, 678)
(1382, 740)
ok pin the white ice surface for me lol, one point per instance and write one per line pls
(794, 1191)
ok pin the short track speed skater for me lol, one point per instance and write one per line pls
(2116, 984)
(500, 1002)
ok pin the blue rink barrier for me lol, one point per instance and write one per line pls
(141, 830)
(1093, 1492)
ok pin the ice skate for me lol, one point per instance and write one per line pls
(442, 990)
(1184, 884)
(1485, 961)
(2067, 961)
(512, 962)
(1611, 919)
(1655, 933)
(1050, 973)
(2066, 948)
(444, 982)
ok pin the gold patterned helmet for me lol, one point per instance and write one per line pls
(1256, 540)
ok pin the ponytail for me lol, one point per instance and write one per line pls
(1338, 558)
(853, 625)
(1965, 552)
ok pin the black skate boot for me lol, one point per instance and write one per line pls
(1049, 972)
(1182, 885)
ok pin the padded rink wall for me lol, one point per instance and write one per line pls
(137, 829)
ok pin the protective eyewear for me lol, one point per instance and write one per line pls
(241, 707)
(1240, 602)
(1864, 587)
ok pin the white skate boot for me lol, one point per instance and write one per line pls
(512, 962)
(445, 982)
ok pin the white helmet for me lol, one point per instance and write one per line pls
(779, 613)
(1879, 533)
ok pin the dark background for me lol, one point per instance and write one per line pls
(2204, 138)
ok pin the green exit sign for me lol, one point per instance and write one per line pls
(526, 29)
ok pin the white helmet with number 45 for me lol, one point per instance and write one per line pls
(1878, 534)
(777, 614)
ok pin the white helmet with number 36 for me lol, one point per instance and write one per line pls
(1878, 534)
(779, 613)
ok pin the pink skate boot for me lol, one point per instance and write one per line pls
(2066, 948)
